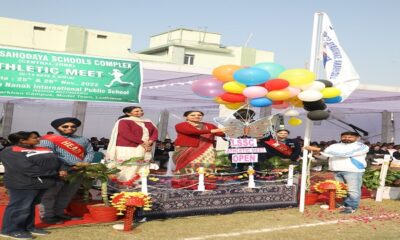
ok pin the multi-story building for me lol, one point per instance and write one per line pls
(172, 61)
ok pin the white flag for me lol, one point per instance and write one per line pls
(338, 67)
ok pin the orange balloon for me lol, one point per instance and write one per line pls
(224, 73)
(295, 101)
(220, 101)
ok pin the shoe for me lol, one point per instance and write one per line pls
(348, 210)
(38, 232)
(18, 235)
(52, 220)
(339, 206)
(68, 217)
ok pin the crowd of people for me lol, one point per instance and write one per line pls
(36, 166)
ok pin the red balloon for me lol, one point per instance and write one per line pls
(277, 102)
(276, 84)
(233, 97)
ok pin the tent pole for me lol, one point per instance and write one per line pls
(162, 125)
(79, 112)
(6, 119)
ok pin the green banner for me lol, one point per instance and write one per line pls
(40, 74)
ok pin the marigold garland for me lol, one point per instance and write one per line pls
(341, 188)
(251, 171)
(130, 182)
(119, 200)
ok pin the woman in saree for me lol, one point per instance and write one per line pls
(130, 145)
(194, 145)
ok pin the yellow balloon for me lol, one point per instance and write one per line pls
(293, 121)
(298, 77)
(330, 92)
(234, 87)
(220, 101)
(278, 95)
(234, 106)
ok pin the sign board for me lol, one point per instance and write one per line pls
(48, 75)
(248, 146)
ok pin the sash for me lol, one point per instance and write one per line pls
(280, 147)
(22, 149)
(67, 144)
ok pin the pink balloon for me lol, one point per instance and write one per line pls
(293, 91)
(208, 87)
(255, 92)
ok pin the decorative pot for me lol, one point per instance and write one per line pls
(101, 213)
(311, 198)
(78, 208)
(366, 193)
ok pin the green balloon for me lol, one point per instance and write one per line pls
(274, 69)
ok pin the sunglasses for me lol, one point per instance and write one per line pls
(68, 126)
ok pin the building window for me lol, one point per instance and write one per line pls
(37, 28)
(189, 59)
(101, 36)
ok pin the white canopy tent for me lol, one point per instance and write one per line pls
(168, 87)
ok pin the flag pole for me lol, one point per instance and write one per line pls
(313, 67)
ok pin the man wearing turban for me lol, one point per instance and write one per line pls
(72, 150)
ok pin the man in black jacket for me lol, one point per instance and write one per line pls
(29, 172)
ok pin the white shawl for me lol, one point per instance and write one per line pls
(112, 145)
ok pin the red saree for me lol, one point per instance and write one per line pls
(189, 159)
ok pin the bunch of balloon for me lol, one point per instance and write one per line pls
(316, 96)
(269, 84)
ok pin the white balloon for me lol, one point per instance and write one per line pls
(310, 95)
(305, 87)
(317, 85)
(292, 113)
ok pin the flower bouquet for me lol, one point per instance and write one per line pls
(136, 199)
(334, 188)
(325, 186)
(127, 202)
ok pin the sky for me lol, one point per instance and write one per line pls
(368, 30)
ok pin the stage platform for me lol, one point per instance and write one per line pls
(176, 202)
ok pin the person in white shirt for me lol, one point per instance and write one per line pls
(347, 161)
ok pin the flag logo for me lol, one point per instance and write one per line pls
(338, 67)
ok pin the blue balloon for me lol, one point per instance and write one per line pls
(260, 102)
(337, 99)
(274, 69)
(251, 76)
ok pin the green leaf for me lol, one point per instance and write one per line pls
(132, 160)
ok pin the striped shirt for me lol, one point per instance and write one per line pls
(67, 157)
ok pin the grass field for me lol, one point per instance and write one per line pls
(374, 220)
